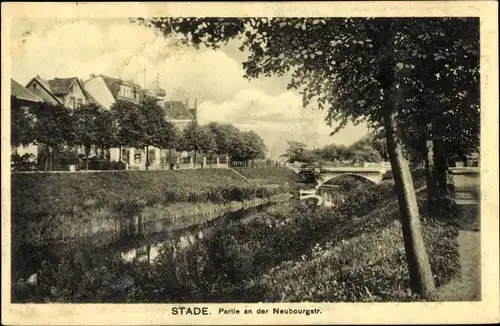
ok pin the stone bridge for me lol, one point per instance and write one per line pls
(466, 183)
(373, 173)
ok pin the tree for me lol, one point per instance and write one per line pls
(127, 125)
(295, 151)
(87, 126)
(23, 122)
(207, 142)
(152, 125)
(226, 138)
(168, 137)
(193, 138)
(364, 154)
(355, 69)
(375, 140)
(105, 136)
(254, 147)
(443, 121)
(53, 128)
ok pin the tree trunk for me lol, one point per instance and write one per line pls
(120, 153)
(47, 159)
(170, 159)
(421, 279)
(87, 150)
(147, 158)
(194, 159)
(149, 251)
(419, 270)
(210, 160)
(441, 169)
(432, 191)
(441, 176)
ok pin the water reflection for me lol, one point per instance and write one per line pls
(333, 195)
(161, 235)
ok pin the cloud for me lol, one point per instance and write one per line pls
(277, 119)
(121, 49)
(79, 48)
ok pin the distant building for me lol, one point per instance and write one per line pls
(107, 90)
(69, 92)
(104, 91)
(24, 100)
(181, 113)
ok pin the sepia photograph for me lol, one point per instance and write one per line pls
(253, 159)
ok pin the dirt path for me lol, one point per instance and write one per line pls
(467, 286)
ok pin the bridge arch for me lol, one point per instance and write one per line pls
(324, 181)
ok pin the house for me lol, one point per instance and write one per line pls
(69, 92)
(179, 112)
(107, 90)
(23, 99)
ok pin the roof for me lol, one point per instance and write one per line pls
(22, 93)
(114, 85)
(177, 110)
(90, 98)
(61, 86)
(45, 85)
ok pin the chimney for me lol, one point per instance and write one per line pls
(92, 75)
(37, 76)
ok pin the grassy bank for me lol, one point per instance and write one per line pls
(38, 198)
(304, 253)
(49, 208)
(277, 175)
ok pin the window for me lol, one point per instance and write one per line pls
(152, 156)
(79, 101)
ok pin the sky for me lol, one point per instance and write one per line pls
(77, 48)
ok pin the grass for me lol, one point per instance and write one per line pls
(302, 253)
(350, 253)
(38, 195)
(47, 208)
(278, 175)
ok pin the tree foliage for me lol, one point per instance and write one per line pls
(23, 120)
(363, 69)
(127, 124)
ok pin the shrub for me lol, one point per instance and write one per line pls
(25, 162)
(306, 253)
(369, 267)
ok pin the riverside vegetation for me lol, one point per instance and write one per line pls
(293, 252)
